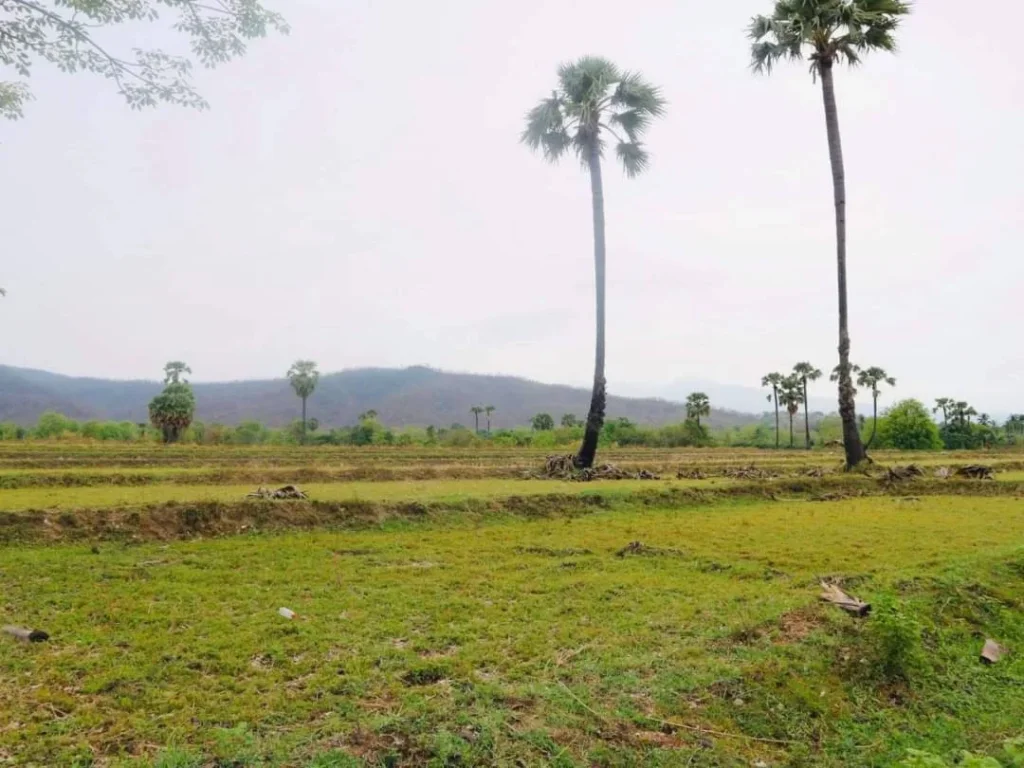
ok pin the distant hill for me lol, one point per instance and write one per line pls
(402, 397)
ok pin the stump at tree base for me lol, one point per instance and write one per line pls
(833, 594)
(975, 472)
(26, 635)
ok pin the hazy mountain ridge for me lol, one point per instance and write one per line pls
(402, 396)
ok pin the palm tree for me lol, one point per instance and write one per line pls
(174, 371)
(943, 404)
(774, 380)
(476, 410)
(834, 31)
(370, 415)
(697, 404)
(806, 372)
(791, 394)
(303, 376)
(873, 377)
(489, 409)
(594, 98)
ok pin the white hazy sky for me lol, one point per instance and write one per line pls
(357, 195)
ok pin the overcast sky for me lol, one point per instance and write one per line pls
(357, 195)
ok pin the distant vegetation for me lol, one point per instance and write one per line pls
(908, 425)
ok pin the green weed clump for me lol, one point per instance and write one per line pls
(895, 639)
(1012, 757)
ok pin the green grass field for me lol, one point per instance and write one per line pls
(459, 638)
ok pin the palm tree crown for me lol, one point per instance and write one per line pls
(303, 377)
(698, 404)
(174, 372)
(807, 372)
(594, 96)
(833, 31)
(872, 378)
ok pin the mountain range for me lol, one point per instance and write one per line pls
(401, 396)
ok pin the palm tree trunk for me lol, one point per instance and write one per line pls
(791, 441)
(874, 424)
(776, 390)
(303, 421)
(595, 416)
(855, 452)
(807, 421)
(476, 423)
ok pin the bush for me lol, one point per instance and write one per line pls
(908, 426)
(895, 639)
(52, 424)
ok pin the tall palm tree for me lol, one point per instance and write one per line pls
(873, 378)
(791, 393)
(697, 404)
(774, 380)
(303, 376)
(476, 410)
(489, 409)
(595, 98)
(943, 404)
(831, 31)
(806, 372)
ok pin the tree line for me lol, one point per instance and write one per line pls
(907, 425)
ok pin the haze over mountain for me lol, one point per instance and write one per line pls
(402, 396)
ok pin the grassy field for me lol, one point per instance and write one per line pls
(506, 633)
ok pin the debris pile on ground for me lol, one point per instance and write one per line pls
(559, 466)
(831, 593)
(975, 472)
(943, 473)
(748, 473)
(564, 468)
(815, 472)
(909, 472)
(639, 548)
(691, 474)
(284, 492)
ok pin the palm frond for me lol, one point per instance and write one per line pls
(633, 121)
(635, 159)
(634, 93)
(545, 129)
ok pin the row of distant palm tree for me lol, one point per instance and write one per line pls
(476, 410)
(791, 392)
(961, 413)
(595, 100)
